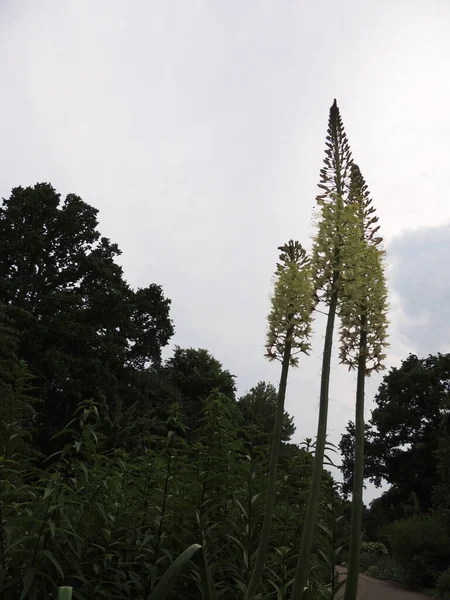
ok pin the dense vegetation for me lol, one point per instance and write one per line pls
(114, 462)
(407, 445)
(126, 476)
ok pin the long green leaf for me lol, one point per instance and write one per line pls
(52, 558)
(325, 529)
(27, 581)
(206, 577)
(167, 581)
(3, 574)
(239, 503)
(326, 559)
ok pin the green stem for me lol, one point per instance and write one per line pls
(148, 465)
(2, 539)
(65, 593)
(351, 586)
(301, 570)
(249, 517)
(165, 498)
(336, 503)
(272, 479)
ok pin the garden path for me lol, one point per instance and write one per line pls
(374, 589)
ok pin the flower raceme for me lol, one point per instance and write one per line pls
(291, 305)
(289, 329)
(363, 307)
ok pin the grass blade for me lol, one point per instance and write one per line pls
(207, 578)
(167, 581)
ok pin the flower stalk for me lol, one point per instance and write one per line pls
(288, 334)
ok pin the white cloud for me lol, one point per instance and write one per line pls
(420, 260)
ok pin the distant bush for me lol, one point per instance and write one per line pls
(366, 560)
(371, 552)
(374, 548)
(421, 545)
(443, 586)
(388, 570)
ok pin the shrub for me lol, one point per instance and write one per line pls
(370, 553)
(387, 569)
(421, 545)
(443, 586)
(366, 560)
(374, 548)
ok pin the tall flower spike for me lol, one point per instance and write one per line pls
(292, 303)
(332, 213)
(363, 333)
(330, 245)
(289, 330)
(364, 308)
(335, 174)
(334, 224)
(364, 293)
(359, 195)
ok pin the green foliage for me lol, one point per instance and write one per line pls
(443, 585)
(16, 403)
(407, 443)
(366, 560)
(94, 520)
(80, 329)
(403, 435)
(393, 505)
(376, 548)
(442, 491)
(194, 374)
(258, 407)
(168, 580)
(421, 546)
(371, 553)
(329, 542)
(388, 570)
(111, 524)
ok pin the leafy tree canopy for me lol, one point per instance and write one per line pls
(258, 408)
(194, 374)
(16, 405)
(79, 325)
(402, 435)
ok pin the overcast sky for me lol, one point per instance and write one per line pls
(197, 128)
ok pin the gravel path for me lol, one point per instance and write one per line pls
(374, 589)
